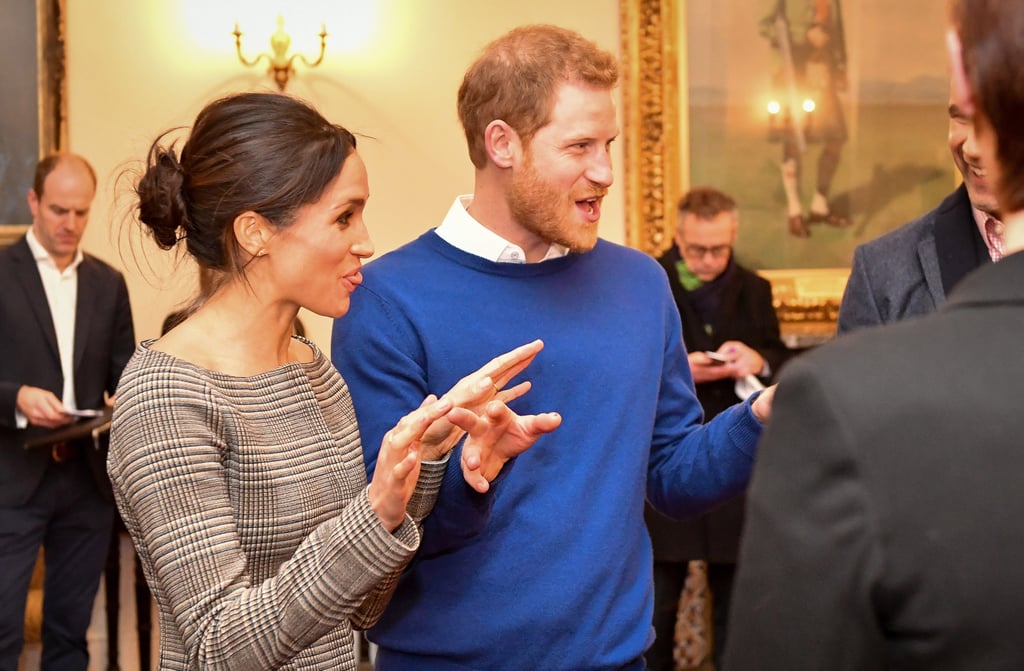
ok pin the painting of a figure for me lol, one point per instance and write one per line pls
(806, 108)
(826, 118)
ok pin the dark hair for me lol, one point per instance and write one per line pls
(264, 152)
(705, 203)
(992, 36)
(516, 77)
(49, 163)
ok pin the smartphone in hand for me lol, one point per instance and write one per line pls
(716, 358)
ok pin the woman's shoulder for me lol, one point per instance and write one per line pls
(152, 374)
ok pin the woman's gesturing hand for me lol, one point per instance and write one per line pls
(398, 463)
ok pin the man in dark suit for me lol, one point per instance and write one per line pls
(909, 271)
(883, 523)
(66, 334)
(725, 309)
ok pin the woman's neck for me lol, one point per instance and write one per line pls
(235, 333)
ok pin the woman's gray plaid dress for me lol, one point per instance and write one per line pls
(246, 501)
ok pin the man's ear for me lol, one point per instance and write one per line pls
(679, 242)
(33, 202)
(252, 232)
(677, 234)
(502, 143)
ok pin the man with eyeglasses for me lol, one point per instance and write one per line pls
(731, 332)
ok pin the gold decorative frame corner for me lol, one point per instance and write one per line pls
(651, 121)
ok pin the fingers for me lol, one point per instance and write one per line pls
(762, 405)
(699, 358)
(398, 463)
(473, 467)
(471, 390)
(391, 487)
(486, 382)
(495, 436)
(477, 481)
(736, 350)
(482, 430)
(494, 420)
(511, 394)
(465, 419)
(404, 468)
(546, 422)
(411, 427)
(43, 408)
(506, 366)
(745, 359)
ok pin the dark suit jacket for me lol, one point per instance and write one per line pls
(104, 341)
(883, 522)
(746, 314)
(909, 272)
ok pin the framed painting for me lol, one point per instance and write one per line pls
(825, 119)
(32, 109)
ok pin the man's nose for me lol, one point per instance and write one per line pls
(600, 171)
(970, 146)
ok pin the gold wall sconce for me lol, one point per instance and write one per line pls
(281, 64)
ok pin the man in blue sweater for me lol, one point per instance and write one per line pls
(550, 568)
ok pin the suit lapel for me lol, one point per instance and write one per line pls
(929, 257)
(84, 305)
(956, 240)
(35, 294)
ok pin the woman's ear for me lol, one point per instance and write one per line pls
(502, 143)
(252, 233)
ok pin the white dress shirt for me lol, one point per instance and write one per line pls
(462, 231)
(61, 287)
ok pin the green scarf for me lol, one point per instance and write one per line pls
(686, 276)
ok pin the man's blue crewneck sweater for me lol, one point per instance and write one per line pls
(551, 569)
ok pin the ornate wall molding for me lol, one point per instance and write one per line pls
(651, 95)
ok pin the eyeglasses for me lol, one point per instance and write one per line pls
(699, 251)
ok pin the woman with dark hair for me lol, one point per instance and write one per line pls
(235, 454)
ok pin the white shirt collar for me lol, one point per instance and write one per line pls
(42, 256)
(462, 231)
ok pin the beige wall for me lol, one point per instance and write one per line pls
(136, 69)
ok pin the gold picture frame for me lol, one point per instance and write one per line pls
(651, 133)
(34, 117)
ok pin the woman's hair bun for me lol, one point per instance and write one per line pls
(162, 205)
